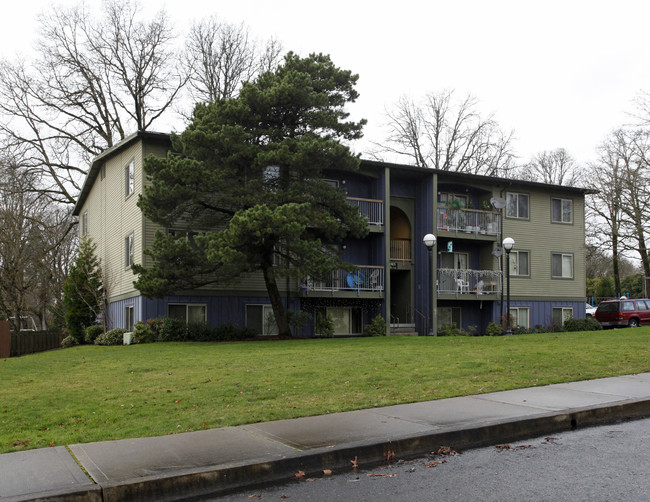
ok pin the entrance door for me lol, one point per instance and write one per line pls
(400, 294)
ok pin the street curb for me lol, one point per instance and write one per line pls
(91, 493)
(220, 480)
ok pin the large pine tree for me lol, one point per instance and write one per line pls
(245, 184)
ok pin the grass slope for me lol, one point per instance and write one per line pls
(93, 393)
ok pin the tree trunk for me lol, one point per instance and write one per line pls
(279, 311)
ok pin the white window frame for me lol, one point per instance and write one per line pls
(129, 250)
(269, 326)
(565, 311)
(129, 179)
(514, 263)
(519, 311)
(453, 312)
(518, 195)
(562, 263)
(562, 203)
(187, 309)
(129, 317)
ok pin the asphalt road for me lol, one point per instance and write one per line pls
(608, 463)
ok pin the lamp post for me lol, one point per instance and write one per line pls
(508, 243)
(430, 241)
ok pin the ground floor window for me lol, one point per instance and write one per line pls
(520, 316)
(189, 312)
(260, 318)
(562, 314)
(129, 316)
(448, 315)
(347, 320)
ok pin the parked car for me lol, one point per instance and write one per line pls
(623, 312)
(590, 310)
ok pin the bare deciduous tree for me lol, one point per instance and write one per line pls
(623, 202)
(35, 245)
(450, 135)
(556, 167)
(95, 80)
(220, 56)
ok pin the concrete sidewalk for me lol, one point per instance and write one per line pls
(213, 461)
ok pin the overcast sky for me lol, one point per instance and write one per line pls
(560, 73)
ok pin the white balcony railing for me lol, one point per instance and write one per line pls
(467, 281)
(400, 249)
(365, 278)
(372, 209)
(469, 221)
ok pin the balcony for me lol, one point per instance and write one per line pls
(468, 282)
(372, 209)
(366, 278)
(469, 221)
(400, 250)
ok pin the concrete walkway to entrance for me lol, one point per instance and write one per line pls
(210, 462)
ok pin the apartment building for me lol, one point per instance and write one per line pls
(462, 280)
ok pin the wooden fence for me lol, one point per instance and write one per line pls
(27, 342)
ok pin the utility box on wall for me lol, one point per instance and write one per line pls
(5, 340)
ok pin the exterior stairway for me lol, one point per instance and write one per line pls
(403, 330)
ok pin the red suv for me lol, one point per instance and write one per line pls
(623, 312)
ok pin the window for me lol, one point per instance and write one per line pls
(84, 224)
(520, 316)
(189, 312)
(561, 210)
(519, 263)
(517, 205)
(129, 313)
(128, 251)
(448, 315)
(347, 320)
(129, 178)
(445, 199)
(561, 314)
(562, 265)
(260, 319)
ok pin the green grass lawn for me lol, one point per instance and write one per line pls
(94, 393)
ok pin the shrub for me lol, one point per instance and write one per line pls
(229, 332)
(377, 327)
(450, 330)
(493, 329)
(586, 324)
(69, 341)
(198, 332)
(112, 337)
(92, 332)
(171, 329)
(143, 333)
(297, 320)
(324, 325)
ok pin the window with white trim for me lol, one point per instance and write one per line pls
(188, 312)
(448, 315)
(520, 316)
(562, 265)
(519, 263)
(561, 210)
(561, 315)
(129, 178)
(517, 205)
(129, 317)
(128, 250)
(261, 320)
(84, 224)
